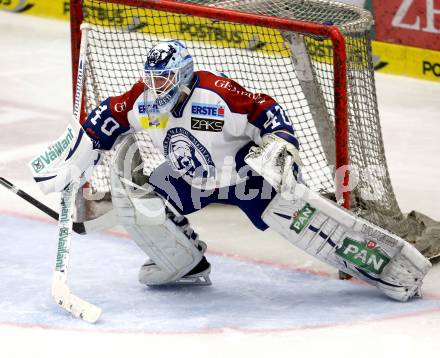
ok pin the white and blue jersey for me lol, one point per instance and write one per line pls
(204, 138)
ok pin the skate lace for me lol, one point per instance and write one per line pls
(183, 223)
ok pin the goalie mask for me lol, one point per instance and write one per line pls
(168, 68)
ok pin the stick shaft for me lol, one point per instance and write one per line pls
(65, 221)
(28, 198)
(78, 227)
(60, 290)
(65, 224)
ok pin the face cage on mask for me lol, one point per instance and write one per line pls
(156, 104)
(160, 83)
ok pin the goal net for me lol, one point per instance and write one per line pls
(287, 49)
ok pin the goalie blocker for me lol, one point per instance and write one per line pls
(333, 234)
(69, 159)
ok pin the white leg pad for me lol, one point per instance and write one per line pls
(167, 240)
(171, 251)
(348, 243)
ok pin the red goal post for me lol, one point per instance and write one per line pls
(327, 31)
(314, 57)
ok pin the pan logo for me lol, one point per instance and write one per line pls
(366, 256)
(302, 218)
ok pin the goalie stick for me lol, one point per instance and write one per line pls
(79, 228)
(60, 290)
(103, 222)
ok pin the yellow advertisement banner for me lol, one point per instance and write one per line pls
(408, 61)
(186, 27)
(58, 9)
(159, 23)
(392, 58)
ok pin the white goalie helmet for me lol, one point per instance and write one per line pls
(168, 67)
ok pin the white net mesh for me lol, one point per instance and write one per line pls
(294, 68)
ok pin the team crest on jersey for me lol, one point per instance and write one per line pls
(187, 154)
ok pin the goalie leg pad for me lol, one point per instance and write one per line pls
(151, 274)
(173, 248)
(172, 254)
(348, 243)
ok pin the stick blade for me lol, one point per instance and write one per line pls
(76, 306)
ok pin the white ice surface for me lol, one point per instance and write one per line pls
(268, 299)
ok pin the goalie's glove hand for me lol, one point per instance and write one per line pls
(278, 162)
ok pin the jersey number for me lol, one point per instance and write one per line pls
(276, 118)
(109, 126)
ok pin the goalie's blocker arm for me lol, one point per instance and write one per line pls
(72, 157)
(68, 159)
